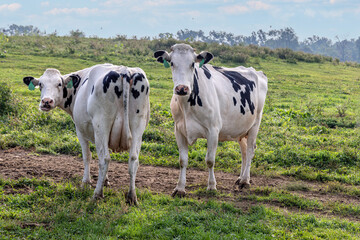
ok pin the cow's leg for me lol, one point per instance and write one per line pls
(86, 154)
(101, 141)
(183, 159)
(212, 142)
(133, 165)
(250, 151)
(243, 147)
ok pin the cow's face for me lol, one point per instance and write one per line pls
(51, 85)
(182, 61)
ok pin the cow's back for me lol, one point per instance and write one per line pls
(241, 92)
(101, 101)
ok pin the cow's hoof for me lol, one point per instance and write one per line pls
(107, 183)
(131, 199)
(85, 184)
(179, 193)
(242, 184)
(212, 188)
(96, 197)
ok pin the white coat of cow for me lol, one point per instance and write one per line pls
(110, 107)
(216, 103)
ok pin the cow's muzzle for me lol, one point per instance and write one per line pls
(46, 104)
(182, 90)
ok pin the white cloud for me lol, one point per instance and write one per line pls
(81, 11)
(258, 5)
(248, 7)
(310, 13)
(234, 9)
(10, 7)
(45, 4)
(332, 14)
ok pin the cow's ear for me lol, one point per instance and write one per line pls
(203, 58)
(72, 81)
(162, 57)
(31, 82)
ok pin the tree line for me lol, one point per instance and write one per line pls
(342, 49)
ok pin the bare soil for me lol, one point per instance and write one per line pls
(18, 163)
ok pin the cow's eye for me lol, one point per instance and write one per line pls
(59, 85)
(172, 64)
(193, 65)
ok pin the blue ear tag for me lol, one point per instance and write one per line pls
(201, 63)
(31, 86)
(69, 84)
(166, 64)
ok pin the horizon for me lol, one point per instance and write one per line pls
(149, 18)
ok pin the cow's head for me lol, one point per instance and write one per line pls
(182, 59)
(52, 86)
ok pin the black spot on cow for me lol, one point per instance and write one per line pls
(135, 93)
(112, 76)
(206, 72)
(137, 111)
(137, 77)
(142, 88)
(76, 82)
(92, 90)
(118, 92)
(126, 77)
(242, 110)
(237, 80)
(84, 81)
(65, 92)
(68, 101)
(147, 90)
(234, 99)
(194, 96)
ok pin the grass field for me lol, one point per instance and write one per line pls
(310, 132)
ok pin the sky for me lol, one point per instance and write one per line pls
(108, 18)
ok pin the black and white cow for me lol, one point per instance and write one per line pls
(216, 103)
(110, 107)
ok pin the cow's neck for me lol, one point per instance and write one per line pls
(70, 95)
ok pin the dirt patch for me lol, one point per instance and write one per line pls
(18, 163)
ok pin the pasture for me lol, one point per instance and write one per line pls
(305, 171)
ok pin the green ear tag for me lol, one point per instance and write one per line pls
(201, 63)
(31, 86)
(166, 64)
(69, 84)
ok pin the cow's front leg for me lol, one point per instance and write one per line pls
(183, 159)
(212, 142)
(86, 154)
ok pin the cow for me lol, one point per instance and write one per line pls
(110, 107)
(215, 103)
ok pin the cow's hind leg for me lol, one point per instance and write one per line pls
(183, 159)
(212, 143)
(243, 147)
(133, 165)
(250, 151)
(101, 132)
(86, 154)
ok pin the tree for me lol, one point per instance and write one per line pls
(77, 33)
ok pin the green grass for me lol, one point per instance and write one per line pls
(309, 131)
(39, 209)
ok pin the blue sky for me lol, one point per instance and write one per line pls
(107, 18)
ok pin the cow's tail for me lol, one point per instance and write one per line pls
(126, 133)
